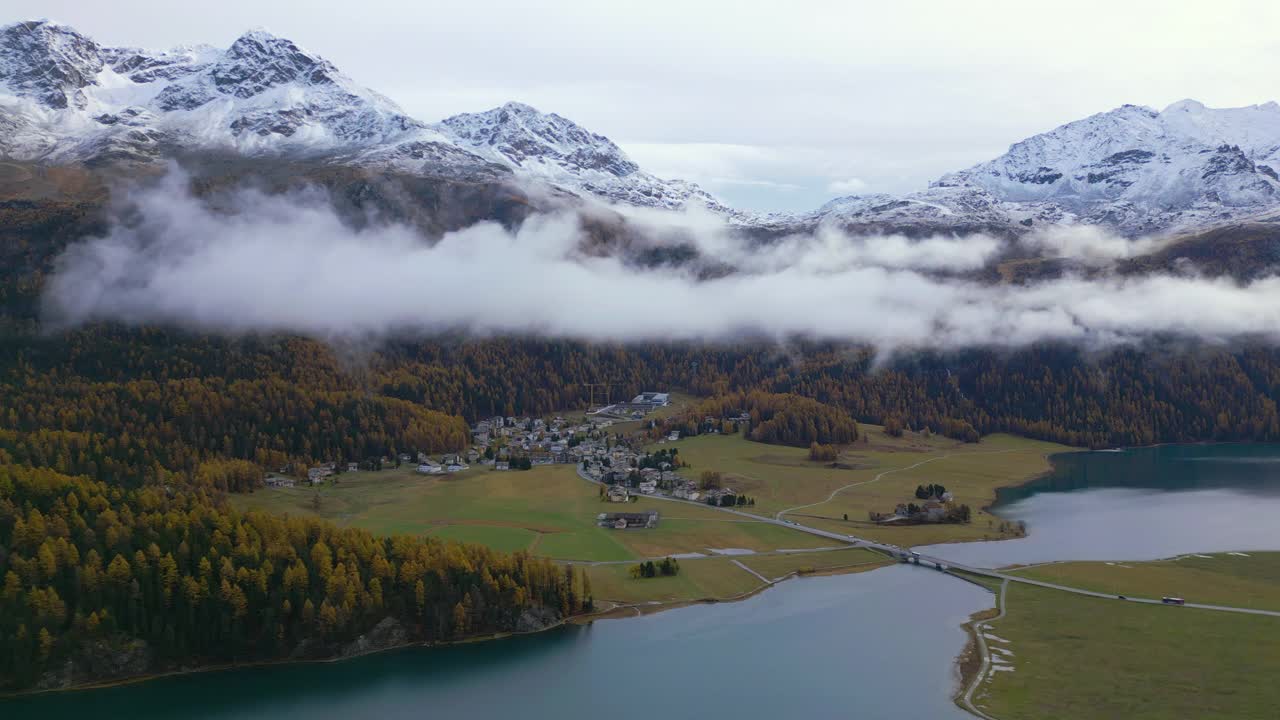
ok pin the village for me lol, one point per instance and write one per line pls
(624, 470)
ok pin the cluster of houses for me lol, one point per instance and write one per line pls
(499, 441)
(628, 520)
(446, 464)
(628, 474)
(507, 443)
(274, 480)
(618, 467)
(933, 509)
(317, 475)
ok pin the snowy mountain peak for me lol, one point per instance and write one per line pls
(48, 62)
(258, 61)
(1185, 105)
(524, 136)
(65, 99)
(555, 149)
(71, 100)
(1144, 171)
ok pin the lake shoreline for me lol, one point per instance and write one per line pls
(617, 612)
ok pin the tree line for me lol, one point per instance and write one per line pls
(87, 568)
(775, 418)
(666, 567)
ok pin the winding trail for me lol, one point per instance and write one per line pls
(778, 515)
(980, 636)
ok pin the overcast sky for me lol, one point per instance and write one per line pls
(771, 105)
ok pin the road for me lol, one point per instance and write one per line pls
(1090, 593)
(932, 561)
(979, 633)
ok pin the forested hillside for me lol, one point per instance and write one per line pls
(777, 418)
(132, 405)
(100, 581)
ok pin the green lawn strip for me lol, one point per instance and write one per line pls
(506, 510)
(591, 544)
(1220, 579)
(506, 539)
(1082, 657)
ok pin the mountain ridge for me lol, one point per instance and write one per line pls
(1134, 170)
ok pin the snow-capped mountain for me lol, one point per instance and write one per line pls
(559, 151)
(1133, 169)
(1140, 170)
(66, 99)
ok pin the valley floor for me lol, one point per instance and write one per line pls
(875, 474)
(1061, 655)
(1053, 654)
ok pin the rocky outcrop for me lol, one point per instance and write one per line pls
(537, 618)
(101, 660)
(387, 634)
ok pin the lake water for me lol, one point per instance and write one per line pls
(1139, 504)
(873, 645)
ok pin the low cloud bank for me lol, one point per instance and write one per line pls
(1091, 244)
(290, 264)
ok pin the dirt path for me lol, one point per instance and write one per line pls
(979, 635)
(880, 477)
(763, 579)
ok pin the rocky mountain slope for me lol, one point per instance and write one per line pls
(64, 99)
(559, 151)
(70, 100)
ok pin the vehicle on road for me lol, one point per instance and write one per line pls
(1173, 601)
(1121, 597)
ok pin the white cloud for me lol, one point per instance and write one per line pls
(289, 264)
(1091, 244)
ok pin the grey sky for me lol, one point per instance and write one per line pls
(771, 105)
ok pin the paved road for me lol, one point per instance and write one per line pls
(1091, 593)
(979, 632)
(937, 562)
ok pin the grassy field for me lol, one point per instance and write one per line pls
(549, 511)
(1251, 581)
(1081, 657)
(781, 478)
(776, 566)
(714, 578)
(719, 578)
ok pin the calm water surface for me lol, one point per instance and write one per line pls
(1140, 504)
(873, 645)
